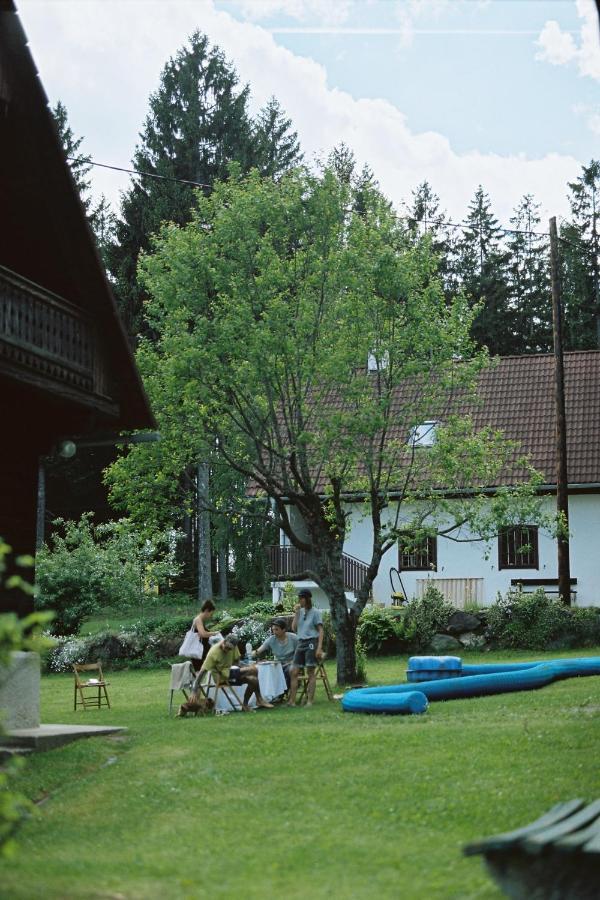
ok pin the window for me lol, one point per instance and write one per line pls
(417, 556)
(518, 547)
(423, 435)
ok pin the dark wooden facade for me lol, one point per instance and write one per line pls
(66, 368)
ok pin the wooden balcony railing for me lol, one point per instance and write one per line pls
(47, 337)
(288, 563)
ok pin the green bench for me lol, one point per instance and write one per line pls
(557, 857)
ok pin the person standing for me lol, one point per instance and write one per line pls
(199, 625)
(308, 625)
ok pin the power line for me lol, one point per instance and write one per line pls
(91, 162)
(465, 226)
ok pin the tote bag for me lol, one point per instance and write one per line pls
(192, 645)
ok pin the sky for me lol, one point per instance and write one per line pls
(502, 93)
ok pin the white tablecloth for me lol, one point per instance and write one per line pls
(271, 679)
(236, 692)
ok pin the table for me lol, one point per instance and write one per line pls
(271, 682)
(271, 679)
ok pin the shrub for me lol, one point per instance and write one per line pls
(86, 567)
(585, 627)
(361, 660)
(528, 621)
(253, 631)
(256, 607)
(381, 631)
(424, 617)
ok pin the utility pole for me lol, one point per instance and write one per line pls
(562, 494)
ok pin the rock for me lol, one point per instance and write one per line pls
(460, 621)
(472, 640)
(442, 642)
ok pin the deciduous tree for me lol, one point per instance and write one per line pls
(267, 307)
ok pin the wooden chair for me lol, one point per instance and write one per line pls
(90, 694)
(210, 690)
(182, 679)
(321, 677)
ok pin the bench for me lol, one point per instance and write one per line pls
(557, 856)
(550, 585)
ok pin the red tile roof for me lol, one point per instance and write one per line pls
(517, 395)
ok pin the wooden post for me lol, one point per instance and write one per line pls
(562, 493)
(40, 525)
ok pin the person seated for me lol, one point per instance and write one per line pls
(282, 645)
(219, 661)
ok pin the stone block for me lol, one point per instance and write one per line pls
(20, 691)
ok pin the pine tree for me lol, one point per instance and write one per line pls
(198, 124)
(99, 215)
(481, 267)
(275, 147)
(425, 217)
(529, 274)
(580, 255)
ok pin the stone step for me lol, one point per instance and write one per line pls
(7, 753)
(47, 737)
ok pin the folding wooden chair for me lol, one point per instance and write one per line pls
(182, 679)
(225, 689)
(321, 676)
(90, 694)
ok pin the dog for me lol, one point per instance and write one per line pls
(196, 706)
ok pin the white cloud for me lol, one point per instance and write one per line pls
(103, 59)
(325, 12)
(590, 114)
(556, 47)
(559, 47)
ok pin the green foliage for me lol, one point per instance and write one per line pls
(256, 607)
(198, 123)
(361, 660)
(426, 616)
(289, 597)
(537, 621)
(381, 631)
(86, 566)
(266, 306)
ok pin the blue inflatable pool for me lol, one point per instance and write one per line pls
(474, 681)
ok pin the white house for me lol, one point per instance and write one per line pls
(517, 396)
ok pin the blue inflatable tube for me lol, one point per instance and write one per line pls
(362, 701)
(476, 681)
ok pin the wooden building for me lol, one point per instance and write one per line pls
(66, 368)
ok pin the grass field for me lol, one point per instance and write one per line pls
(108, 619)
(303, 803)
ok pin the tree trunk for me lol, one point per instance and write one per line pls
(223, 587)
(205, 591)
(328, 564)
(345, 648)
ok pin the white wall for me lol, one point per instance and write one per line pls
(467, 560)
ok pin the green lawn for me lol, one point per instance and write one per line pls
(107, 619)
(297, 803)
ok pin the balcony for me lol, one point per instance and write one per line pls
(47, 341)
(289, 563)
